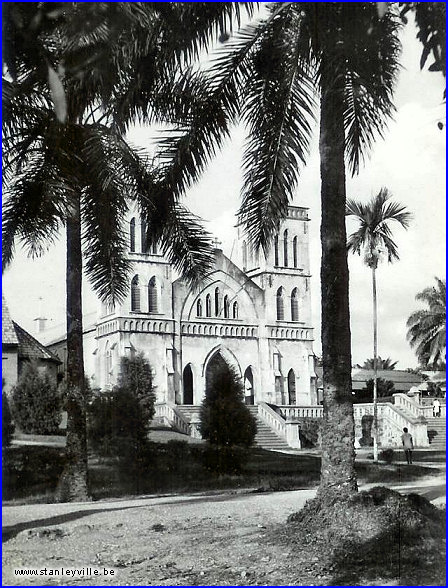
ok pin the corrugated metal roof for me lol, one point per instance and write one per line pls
(9, 336)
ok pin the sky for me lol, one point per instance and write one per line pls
(410, 162)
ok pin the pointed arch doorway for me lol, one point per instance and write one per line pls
(188, 385)
(292, 398)
(249, 395)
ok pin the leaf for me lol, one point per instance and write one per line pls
(57, 95)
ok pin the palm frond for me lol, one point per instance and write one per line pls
(279, 110)
(372, 66)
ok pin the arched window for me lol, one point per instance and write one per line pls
(276, 260)
(244, 247)
(226, 307)
(135, 294)
(143, 236)
(208, 305)
(285, 248)
(295, 305)
(294, 252)
(235, 310)
(199, 307)
(152, 296)
(132, 235)
(280, 305)
(154, 248)
(216, 301)
(292, 399)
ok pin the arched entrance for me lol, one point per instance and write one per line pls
(216, 365)
(249, 396)
(292, 399)
(188, 385)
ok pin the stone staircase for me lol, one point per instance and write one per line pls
(437, 432)
(266, 438)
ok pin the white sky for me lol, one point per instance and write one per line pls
(410, 162)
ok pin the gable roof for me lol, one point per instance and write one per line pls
(31, 348)
(403, 381)
(9, 336)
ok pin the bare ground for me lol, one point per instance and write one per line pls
(227, 539)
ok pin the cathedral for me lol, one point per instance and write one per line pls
(252, 311)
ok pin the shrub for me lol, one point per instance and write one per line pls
(36, 402)
(7, 424)
(136, 378)
(224, 418)
(310, 432)
(387, 455)
(115, 422)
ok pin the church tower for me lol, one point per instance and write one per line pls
(284, 275)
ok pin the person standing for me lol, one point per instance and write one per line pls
(408, 445)
(436, 407)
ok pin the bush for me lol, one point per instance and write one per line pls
(387, 455)
(7, 424)
(136, 378)
(310, 432)
(224, 418)
(36, 402)
(115, 422)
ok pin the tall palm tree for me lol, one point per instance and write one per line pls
(269, 76)
(373, 238)
(427, 327)
(66, 164)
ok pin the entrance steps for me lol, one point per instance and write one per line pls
(437, 432)
(266, 438)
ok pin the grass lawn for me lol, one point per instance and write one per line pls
(175, 464)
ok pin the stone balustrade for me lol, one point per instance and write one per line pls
(221, 329)
(292, 332)
(169, 415)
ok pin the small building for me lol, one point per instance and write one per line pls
(19, 347)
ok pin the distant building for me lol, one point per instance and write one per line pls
(19, 347)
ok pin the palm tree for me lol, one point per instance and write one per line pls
(65, 164)
(268, 76)
(372, 238)
(427, 327)
(382, 364)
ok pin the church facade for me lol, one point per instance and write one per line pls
(253, 311)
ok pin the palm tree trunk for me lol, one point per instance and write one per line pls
(338, 477)
(375, 367)
(73, 484)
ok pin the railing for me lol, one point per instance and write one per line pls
(272, 419)
(229, 328)
(296, 412)
(170, 414)
(417, 409)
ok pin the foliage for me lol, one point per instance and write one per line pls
(116, 424)
(224, 418)
(310, 432)
(382, 364)
(385, 388)
(31, 469)
(8, 426)
(36, 402)
(387, 455)
(135, 377)
(427, 327)
(374, 234)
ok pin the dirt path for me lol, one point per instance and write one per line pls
(174, 541)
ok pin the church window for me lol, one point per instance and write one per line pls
(199, 307)
(132, 235)
(135, 294)
(280, 305)
(217, 302)
(235, 310)
(152, 296)
(143, 236)
(244, 255)
(295, 305)
(208, 305)
(276, 260)
(226, 307)
(294, 252)
(285, 248)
